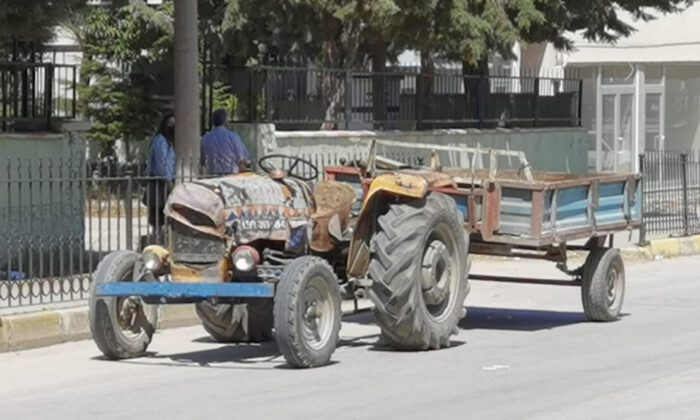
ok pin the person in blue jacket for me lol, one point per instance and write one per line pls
(161, 171)
(222, 150)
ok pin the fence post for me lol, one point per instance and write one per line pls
(129, 210)
(482, 100)
(251, 94)
(580, 102)
(643, 227)
(419, 101)
(268, 95)
(48, 94)
(348, 99)
(535, 101)
(74, 105)
(684, 180)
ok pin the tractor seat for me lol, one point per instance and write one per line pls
(332, 199)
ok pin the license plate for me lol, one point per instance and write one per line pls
(262, 224)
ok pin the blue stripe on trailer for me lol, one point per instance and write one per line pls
(186, 290)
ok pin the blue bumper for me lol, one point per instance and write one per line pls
(185, 292)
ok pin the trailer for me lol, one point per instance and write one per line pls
(518, 213)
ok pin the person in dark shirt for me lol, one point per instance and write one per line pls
(223, 151)
(161, 171)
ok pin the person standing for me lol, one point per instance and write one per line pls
(222, 150)
(161, 172)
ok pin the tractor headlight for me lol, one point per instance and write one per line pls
(245, 258)
(154, 258)
(152, 262)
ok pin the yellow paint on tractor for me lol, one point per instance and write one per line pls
(401, 185)
(161, 252)
(382, 187)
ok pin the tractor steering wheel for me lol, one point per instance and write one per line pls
(310, 173)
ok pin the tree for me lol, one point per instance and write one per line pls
(30, 23)
(127, 62)
(597, 20)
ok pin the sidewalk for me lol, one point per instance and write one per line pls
(55, 325)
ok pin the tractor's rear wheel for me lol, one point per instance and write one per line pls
(247, 321)
(419, 270)
(122, 327)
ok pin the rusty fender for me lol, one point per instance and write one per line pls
(383, 188)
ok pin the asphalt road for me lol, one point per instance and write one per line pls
(522, 352)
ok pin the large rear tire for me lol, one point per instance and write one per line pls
(307, 312)
(121, 327)
(603, 288)
(244, 322)
(419, 270)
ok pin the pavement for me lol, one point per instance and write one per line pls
(523, 351)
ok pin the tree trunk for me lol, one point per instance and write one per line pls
(186, 87)
(476, 89)
(379, 82)
(333, 87)
(425, 89)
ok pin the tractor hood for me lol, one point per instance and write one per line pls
(244, 208)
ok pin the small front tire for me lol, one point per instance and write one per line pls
(307, 312)
(121, 327)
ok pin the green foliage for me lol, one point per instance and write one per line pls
(223, 98)
(127, 50)
(128, 44)
(34, 20)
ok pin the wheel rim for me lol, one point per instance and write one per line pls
(439, 273)
(317, 312)
(614, 286)
(130, 314)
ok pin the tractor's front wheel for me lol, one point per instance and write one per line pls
(122, 327)
(419, 269)
(307, 312)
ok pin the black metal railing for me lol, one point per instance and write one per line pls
(32, 95)
(671, 192)
(310, 98)
(60, 216)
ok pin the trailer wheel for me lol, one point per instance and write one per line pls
(419, 270)
(121, 327)
(307, 312)
(247, 321)
(603, 287)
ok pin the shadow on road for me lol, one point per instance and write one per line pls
(518, 319)
(267, 355)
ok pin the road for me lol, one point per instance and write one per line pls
(523, 352)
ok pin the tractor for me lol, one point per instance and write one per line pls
(267, 255)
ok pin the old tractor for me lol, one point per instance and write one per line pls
(264, 254)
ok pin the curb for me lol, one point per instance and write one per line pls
(674, 247)
(46, 328)
(656, 249)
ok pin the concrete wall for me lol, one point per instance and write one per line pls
(558, 150)
(41, 198)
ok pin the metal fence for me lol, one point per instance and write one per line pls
(59, 217)
(32, 95)
(309, 98)
(671, 193)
